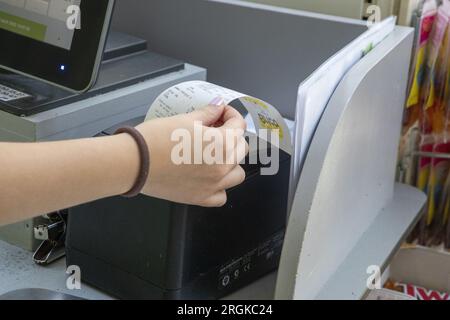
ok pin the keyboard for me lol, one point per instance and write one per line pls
(8, 94)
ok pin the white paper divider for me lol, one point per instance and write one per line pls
(315, 92)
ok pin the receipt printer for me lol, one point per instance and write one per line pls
(146, 248)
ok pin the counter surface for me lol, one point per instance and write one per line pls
(18, 271)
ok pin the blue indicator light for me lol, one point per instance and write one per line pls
(62, 67)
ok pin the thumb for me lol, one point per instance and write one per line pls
(209, 115)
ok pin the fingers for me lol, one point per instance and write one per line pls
(225, 117)
(236, 151)
(218, 199)
(209, 115)
(234, 127)
(233, 179)
(225, 129)
(230, 141)
(234, 154)
(242, 149)
(232, 119)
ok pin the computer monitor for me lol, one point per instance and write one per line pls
(58, 41)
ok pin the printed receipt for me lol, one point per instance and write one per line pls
(190, 96)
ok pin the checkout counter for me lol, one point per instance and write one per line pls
(348, 213)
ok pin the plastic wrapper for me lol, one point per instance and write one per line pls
(417, 292)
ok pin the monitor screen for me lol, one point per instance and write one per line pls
(57, 41)
(41, 20)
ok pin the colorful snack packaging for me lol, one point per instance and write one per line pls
(438, 118)
(433, 121)
(437, 222)
(419, 293)
(429, 12)
(440, 223)
(447, 235)
(427, 124)
(411, 130)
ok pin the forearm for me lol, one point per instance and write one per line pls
(43, 177)
(40, 178)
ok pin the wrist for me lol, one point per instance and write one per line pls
(126, 152)
(144, 160)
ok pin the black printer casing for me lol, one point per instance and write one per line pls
(147, 248)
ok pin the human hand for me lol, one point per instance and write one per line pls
(202, 184)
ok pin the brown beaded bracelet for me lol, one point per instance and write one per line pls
(144, 158)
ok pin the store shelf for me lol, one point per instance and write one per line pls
(378, 245)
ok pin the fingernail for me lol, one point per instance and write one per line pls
(217, 102)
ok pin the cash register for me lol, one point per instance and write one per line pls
(141, 248)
